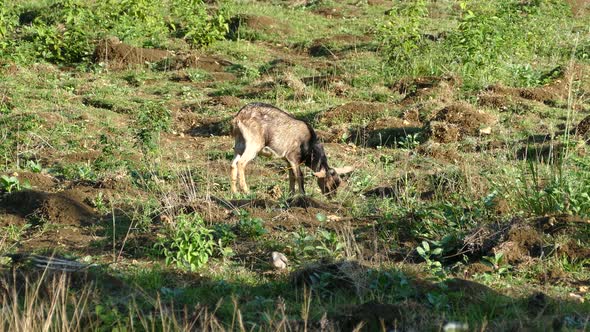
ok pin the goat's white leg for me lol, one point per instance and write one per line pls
(234, 173)
(249, 154)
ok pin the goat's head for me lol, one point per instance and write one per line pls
(329, 180)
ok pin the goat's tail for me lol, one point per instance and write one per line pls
(235, 127)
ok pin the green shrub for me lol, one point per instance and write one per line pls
(558, 191)
(188, 243)
(153, 117)
(66, 31)
(8, 22)
(489, 41)
(193, 23)
(402, 33)
(249, 226)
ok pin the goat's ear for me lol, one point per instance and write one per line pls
(321, 174)
(344, 170)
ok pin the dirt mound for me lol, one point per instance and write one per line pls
(453, 122)
(583, 128)
(503, 102)
(387, 131)
(329, 12)
(522, 242)
(419, 88)
(277, 66)
(226, 101)
(66, 207)
(343, 275)
(335, 46)
(357, 111)
(440, 152)
(522, 239)
(579, 8)
(256, 23)
(37, 180)
(545, 94)
(575, 76)
(376, 316)
(116, 54)
(322, 81)
(211, 64)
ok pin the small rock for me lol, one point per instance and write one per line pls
(576, 297)
(279, 260)
(455, 327)
(334, 218)
(486, 131)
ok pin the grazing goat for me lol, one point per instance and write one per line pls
(264, 129)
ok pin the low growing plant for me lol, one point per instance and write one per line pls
(188, 243)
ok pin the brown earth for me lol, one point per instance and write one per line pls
(37, 180)
(573, 77)
(336, 46)
(66, 208)
(116, 54)
(329, 12)
(413, 90)
(442, 152)
(579, 7)
(453, 122)
(257, 23)
(212, 64)
(583, 128)
(356, 111)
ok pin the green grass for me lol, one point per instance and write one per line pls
(131, 150)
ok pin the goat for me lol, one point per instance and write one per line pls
(260, 128)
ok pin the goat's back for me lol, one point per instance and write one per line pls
(275, 128)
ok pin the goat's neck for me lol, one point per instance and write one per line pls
(316, 160)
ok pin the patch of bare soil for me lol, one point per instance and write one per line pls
(420, 88)
(329, 12)
(343, 275)
(208, 63)
(579, 7)
(574, 251)
(338, 45)
(502, 97)
(386, 131)
(453, 122)
(277, 66)
(522, 242)
(86, 156)
(523, 239)
(377, 2)
(357, 111)
(442, 152)
(471, 291)
(195, 124)
(256, 23)
(66, 208)
(267, 84)
(583, 128)
(503, 102)
(375, 316)
(116, 54)
(546, 153)
(37, 180)
(226, 102)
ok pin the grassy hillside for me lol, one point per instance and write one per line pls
(468, 124)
